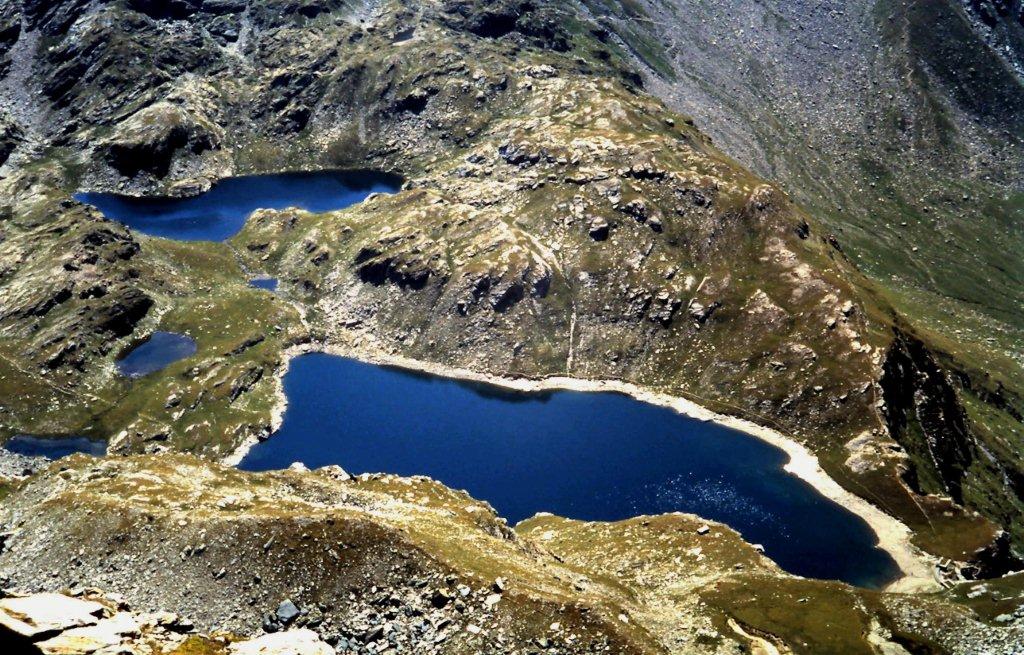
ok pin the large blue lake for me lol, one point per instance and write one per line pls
(221, 212)
(590, 456)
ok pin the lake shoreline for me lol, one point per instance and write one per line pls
(893, 536)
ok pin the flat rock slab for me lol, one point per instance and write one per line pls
(290, 642)
(41, 615)
(107, 634)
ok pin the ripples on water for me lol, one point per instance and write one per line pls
(692, 494)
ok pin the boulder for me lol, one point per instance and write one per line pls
(599, 229)
(334, 472)
(287, 612)
(41, 615)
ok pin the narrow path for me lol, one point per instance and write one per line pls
(572, 341)
(758, 645)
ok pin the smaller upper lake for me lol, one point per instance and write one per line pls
(54, 447)
(221, 212)
(268, 283)
(589, 456)
(158, 351)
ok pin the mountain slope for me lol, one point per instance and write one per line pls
(557, 220)
(898, 126)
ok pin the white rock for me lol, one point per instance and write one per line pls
(38, 614)
(107, 634)
(335, 472)
(290, 642)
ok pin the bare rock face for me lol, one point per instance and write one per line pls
(919, 399)
(10, 137)
(534, 21)
(151, 140)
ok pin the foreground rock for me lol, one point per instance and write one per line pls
(59, 624)
(41, 615)
(88, 622)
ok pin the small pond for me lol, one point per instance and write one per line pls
(54, 447)
(268, 283)
(589, 456)
(221, 212)
(158, 351)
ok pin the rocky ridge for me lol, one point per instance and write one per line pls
(385, 564)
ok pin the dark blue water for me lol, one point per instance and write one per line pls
(590, 456)
(268, 283)
(54, 447)
(157, 352)
(221, 212)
